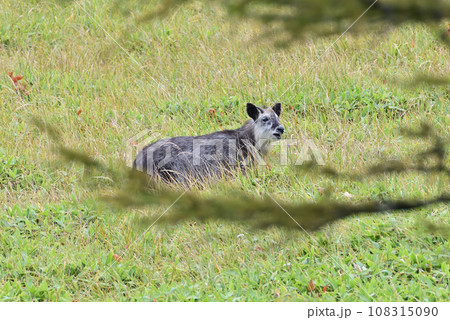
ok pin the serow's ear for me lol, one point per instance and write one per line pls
(253, 111)
(277, 108)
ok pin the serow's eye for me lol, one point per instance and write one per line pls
(265, 119)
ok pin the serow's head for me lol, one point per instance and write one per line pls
(267, 124)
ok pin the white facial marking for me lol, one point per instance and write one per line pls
(264, 130)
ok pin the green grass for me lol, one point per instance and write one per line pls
(57, 244)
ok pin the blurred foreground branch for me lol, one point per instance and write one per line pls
(135, 189)
(319, 17)
(301, 17)
(431, 160)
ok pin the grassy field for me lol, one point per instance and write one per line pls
(101, 78)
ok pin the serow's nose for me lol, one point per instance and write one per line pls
(280, 129)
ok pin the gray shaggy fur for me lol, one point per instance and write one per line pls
(196, 159)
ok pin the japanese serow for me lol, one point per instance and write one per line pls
(212, 156)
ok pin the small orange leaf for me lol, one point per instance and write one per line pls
(14, 79)
(117, 257)
(311, 285)
(212, 112)
(324, 289)
(78, 112)
(17, 78)
(20, 88)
